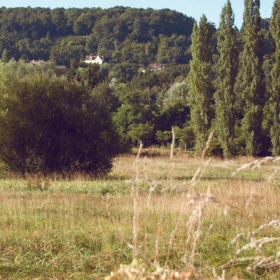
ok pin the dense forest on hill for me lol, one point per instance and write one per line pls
(121, 34)
(214, 78)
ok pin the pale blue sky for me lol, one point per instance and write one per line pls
(194, 8)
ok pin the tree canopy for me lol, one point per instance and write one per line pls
(49, 124)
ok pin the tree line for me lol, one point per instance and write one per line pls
(231, 86)
(57, 117)
(138, 36)
(234, 98)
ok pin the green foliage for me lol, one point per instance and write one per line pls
(173, 107)
(21, 69)
(141, 132)
(185, 136)
(131, 39)
(251, 75)
(226, 71)
(123, 72)
(136, 116)
(62, 55)
(275, 83)
(36, 32)
(199, 81)
(49, 124)
(94, 75)
(5, 55)
(163, 137)
(172, 49)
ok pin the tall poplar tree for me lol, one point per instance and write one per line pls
(275, 81)
(199, 82)
(252, 89)
(226, 71)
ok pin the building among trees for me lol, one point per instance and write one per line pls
(98, 59)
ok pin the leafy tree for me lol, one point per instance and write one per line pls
(199, 82)
(59, 20)
(173, 106)
(137, 113)
(226, 71)
(49, 124)
(5, 55)
(163, 137)
(72, 72)
(91, 44)
(141, 132)
(94, 75)
(275, 83)
(185, 136)
(84, 23)
(123, 72)
(20, 69)
(172, 49)
(62, 55)
(251, 75)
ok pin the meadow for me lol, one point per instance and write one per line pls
(185, 218)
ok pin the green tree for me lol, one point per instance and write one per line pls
(275, 82)
(72, 72)
(94, 75)
(251, 75)
(141, 132)
(163, 137)
(173, 106)
(226, 71)
(5, 56)
(199, 82)
(136, 114)
(49, 124)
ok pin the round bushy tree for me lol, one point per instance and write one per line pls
(48, 124)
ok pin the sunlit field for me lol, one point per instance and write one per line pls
(189, 216)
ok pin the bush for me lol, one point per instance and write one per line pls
(49, 124)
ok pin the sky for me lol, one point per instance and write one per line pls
(193, 8)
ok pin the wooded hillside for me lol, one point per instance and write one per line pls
(121, 34)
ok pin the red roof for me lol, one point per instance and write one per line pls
(156, 66)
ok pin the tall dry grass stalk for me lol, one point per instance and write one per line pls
(135, 191)
(140, 150)
(173, 144)
(257, 164)
(108, 205)
(199, 203)
(200, 171)
(259, 257)
(207, 144)
(135, 223)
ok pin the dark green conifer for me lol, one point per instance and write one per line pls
(252, 89)
(275, 82)
(199, 82)
(226, 71)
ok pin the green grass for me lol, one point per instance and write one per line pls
(81, 229)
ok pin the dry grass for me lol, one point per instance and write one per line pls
(84, 229)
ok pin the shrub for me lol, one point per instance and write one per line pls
(49, 124)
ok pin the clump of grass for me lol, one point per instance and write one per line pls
(257, 164)
(264, 252)
(137, 271)
(36, 182)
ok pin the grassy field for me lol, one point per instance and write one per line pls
(188, 215)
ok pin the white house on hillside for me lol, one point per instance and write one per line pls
(99, 59)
